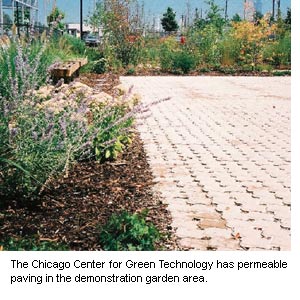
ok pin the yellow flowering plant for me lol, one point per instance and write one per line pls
(252, 38)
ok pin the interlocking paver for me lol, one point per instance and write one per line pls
(220, 154)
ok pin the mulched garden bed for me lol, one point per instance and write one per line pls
(72, 210)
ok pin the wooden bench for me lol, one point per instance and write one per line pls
(68, 70)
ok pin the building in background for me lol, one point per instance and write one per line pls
(21, 12)
(74, 29)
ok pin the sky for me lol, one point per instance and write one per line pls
(153, 7)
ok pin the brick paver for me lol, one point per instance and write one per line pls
(220, 154)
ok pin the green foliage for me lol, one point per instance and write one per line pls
(213, 17)
(183, 62)
(209, 40)
(207, 36)
(55, 18)
(167, 50)
(33, 146)
(230, 50)
(31, 244)
(38, 147)
(99, 66)
(257, 16)
(168, 21)
(97, 63)
(129, 232)
(77, 45)
(236, 18)
(151, 51)
(62, 48)
(278, 53)
(176, 59)
(281, 73)
(288, 19)
(130, 71)
(113, 135)
(122, 41)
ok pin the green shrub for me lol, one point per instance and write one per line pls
(121, 46)
(166, 59)
(130, 71)
(167, 50)
(31, 244)
(129, 232)
(150, 53)
(77, 45)
(24, 68)
(58, 49)
(278, 52)
(97, 63)
(204, 70)
(209, 40)
(183, 62)
(230, 51)
(41, 145)
(99, 66)
(113, 135)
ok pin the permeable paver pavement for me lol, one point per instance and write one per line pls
(220, 154)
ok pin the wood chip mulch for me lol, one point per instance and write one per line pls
(74, 208)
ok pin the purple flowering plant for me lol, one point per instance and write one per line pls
(38, 144)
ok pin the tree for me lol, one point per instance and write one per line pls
(257, 17)
(236, 18)
(168, 21)
(55, 19)
(121, 30)
(213, 17)
(288, 18)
